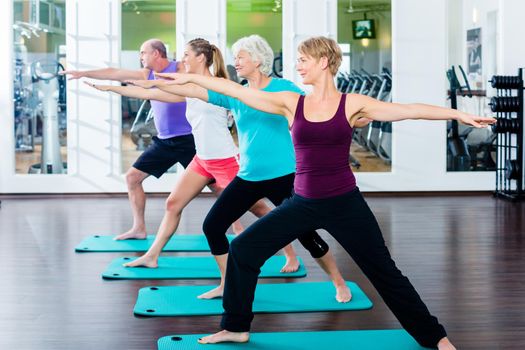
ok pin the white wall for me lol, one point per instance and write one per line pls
(475, 15)
(464, 15)
(7, 154)
(303, 19)
(456, 37)
(201, 19)
(512, 41)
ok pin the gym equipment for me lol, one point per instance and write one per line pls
(458, 157)
(506, 125)
(505, 82)
(508, 106)
(391, 339)
(25, 107)
(232, 73)
(185, 267)
(25, 95)
(504, 104)
(277, 66)
(143, 128)
(39, 92)
(45, 76)
(468, 148)
(269, 298)
(377, 136)
(177, 243)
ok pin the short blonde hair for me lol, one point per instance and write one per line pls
(258, 49)
(321, 46)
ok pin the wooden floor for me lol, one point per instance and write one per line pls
(464, 254)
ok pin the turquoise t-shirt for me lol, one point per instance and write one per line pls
(265, 145)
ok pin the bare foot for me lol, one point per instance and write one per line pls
(237, 228)
(212, 294)
(131, 234)
(343, 294)
(225, 336)
(143, 261)
(292, 265)
(444, 344)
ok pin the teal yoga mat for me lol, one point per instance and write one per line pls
(177, 243)
(269, 298)
(395, 339)
(191, 267)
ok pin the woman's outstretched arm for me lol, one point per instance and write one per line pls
(138, 92)
(282, 103)
(359, 106)
(187, 90)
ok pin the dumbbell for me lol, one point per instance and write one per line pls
(512, 169)
(506, 82)
(504, 104)
(506, 125)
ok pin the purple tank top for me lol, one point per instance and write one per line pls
(322, 151)
(170, 118)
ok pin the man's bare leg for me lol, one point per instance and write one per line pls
(225, 336)
(188, 187)
(217, 292)
(259, 209)
(327, 263)
(137, 199)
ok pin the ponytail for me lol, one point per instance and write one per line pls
(212, 54)
(219, 68)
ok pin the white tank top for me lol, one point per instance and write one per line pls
(209, 125)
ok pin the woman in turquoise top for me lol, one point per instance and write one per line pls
(267, 161)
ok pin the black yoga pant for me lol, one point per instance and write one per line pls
(350, 221)
(238, 197)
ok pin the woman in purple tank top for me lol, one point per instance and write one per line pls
(326, 195)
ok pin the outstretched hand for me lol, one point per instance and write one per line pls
(475, 120)
(174, 78)
(98, 87)
(73, 74)
(146, 84)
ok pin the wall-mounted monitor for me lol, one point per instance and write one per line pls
(364, 29)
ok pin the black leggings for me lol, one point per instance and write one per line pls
(350, 221)
(238, 197)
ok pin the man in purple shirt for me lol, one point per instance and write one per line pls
(174, 142)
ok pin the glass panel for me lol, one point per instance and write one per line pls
(142, 20)
(39, 91)
(472, 56)
(364, 32)
(261, 17)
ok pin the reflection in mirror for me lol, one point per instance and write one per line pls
(472, 58)
(39, 91)
(142, 20)
(365, 36)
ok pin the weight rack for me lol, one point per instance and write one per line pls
(508, 106)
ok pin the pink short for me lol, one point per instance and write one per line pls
(222, 170)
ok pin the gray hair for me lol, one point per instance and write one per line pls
(156, 44)
(258, 49)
